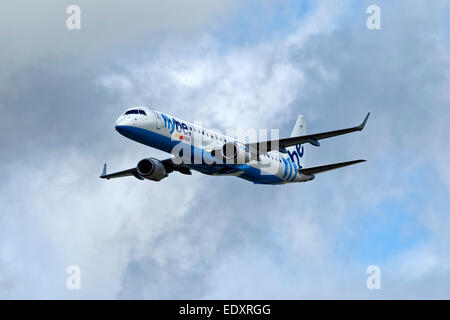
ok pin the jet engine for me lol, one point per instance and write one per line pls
(151, 169)
(233, 152)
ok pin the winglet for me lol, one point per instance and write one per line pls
(363, 124)
(104, 171)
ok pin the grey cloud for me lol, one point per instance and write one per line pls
(36, 31)
(200, 236)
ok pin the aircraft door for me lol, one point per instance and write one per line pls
(158, 121)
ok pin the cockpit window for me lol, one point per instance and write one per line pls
(136, 111)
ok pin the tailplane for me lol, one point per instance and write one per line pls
(328, 167)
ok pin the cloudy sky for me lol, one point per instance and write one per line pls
(244, 64)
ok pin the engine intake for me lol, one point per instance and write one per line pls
(235, 153)
(151, 169)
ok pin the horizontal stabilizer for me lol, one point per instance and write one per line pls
(328, 167)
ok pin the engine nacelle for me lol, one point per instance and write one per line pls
(233, 152)
(151, 169)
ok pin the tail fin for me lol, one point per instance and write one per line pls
(297, 153)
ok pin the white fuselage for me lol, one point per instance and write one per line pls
(171, 135)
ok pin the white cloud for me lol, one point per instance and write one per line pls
(200, 236)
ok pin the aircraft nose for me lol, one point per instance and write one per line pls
(120, 129)
(119, 121)
(126, 130)
(121, 125)
(126, 124)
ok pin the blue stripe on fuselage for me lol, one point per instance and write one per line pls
(285, 167)
(290, 170)
(295, 170)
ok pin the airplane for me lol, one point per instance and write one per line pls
(269, 162)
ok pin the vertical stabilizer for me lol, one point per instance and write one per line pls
(297, 153)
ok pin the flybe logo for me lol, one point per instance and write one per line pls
(297, 154)
(181, 128)
(173, 124)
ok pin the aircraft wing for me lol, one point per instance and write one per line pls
(120, 174)
(167, 163)
(313, 139)
(171, 166)
(328, 167)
